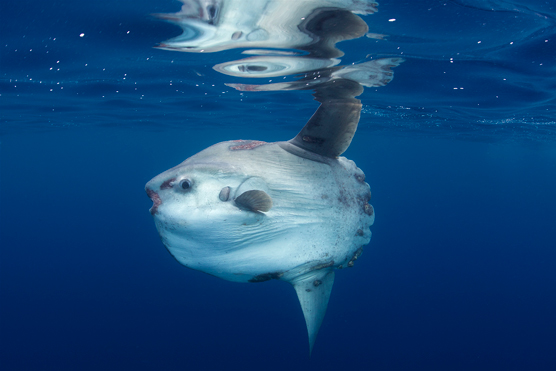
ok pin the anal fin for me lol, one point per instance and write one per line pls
(313, 291)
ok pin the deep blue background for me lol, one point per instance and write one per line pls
(461, 270)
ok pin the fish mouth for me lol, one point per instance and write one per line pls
(155, 199)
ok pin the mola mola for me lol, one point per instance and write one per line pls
(250, 211)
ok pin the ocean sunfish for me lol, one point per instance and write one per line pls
(251, 211)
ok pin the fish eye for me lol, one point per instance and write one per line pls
(185, 184)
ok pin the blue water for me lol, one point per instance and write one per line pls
(459, 150)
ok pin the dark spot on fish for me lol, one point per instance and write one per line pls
(308, 290)
(317, 283)
(343, 198)
(356, 256)
(360, 232)
(323, 265)
(167, 184)
(266, 277)
(310, 139)
(368, 209)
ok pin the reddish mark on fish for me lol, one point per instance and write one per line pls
(168, 184)
(156, 200)
(246, 144)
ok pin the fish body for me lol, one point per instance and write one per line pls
(319, 216)
(251, 211)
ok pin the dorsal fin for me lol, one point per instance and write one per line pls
(254, 200)
(313, 291)
(330, 130)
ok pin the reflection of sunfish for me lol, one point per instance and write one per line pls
(214, 25)
(250, 211)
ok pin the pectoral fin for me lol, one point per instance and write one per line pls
(254, 200)
(313, 291)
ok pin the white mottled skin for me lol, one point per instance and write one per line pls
(307, 226)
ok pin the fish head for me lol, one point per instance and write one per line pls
(203, 209)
